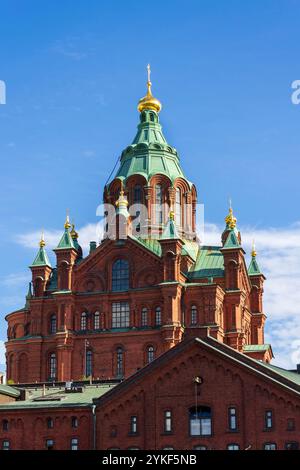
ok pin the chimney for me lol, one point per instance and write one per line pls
(93, 246)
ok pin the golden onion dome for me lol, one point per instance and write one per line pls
(148, 101)
(230, 219)
(42, 242)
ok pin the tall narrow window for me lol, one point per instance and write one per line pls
(137, 194)
(194, 315)
(120, 362)
(53, 324)
(168, 421)
(144, 321)
(200, 421)
(5, 425)
(120, 275)
(50, 423)
(96, 321)
(158, 316)
(158, 204)
(74, 443)
(268, 419)
(52, 366)
(5, 445)
(150, 354)
(178, 216)
(74, 422)
(120, 315)
(232, 419)
(89, 364)
(83, 321)
(133, 425)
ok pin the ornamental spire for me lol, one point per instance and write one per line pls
(253, 252)
(42, 240)
(230, 219)
(67, 222)
(148, 101)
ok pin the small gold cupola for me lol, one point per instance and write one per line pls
(148, 101)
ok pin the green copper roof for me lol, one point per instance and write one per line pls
(149, 152)
(66, 241)
(190, 248)
(41, 258)
(56, 397)
(9, 391)
(209, 263)
(256, 347)
(254, 269)
(292, 376)
(231, 241)
(152, 244)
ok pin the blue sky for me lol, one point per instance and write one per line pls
(74, 72)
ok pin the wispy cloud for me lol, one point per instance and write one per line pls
(70, 48)
(2, 353)
(279, 258)
(15, 279)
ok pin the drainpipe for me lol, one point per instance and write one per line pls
(94, 425)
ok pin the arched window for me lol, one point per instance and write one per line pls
(74, 422)
(96, 321)
(83, 321)
(194, 315)
(120, 275)
(89, 364)
(5, 425)
(150, 354)
(200, 421)
(137, 193)
(50, 423)
(120, 362)
(53, 324)
(52, 366)
(178, 215)
(158, 205)
(157, 316)
(144, 319)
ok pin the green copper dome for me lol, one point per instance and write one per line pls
(150, 153)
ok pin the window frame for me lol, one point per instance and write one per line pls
(5, 444)
(120, 275)
(234, 417)
(96, 319)
(144, 317)
(233, 444)
(89, 363)
(158, 316)
(53, 324)
(168, 421)
(83, 321)
(201, 420)
(120, 314)
(150, 352)
(269, 444)
(194, 315)
(120, 361)
(73, 444)
(269, 415)
(133, 425)
(52, 364)
(5, 425)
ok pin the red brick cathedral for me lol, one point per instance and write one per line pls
(165, 334)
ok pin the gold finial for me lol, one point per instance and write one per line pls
(42, 240)
(67, 222)
(230, 219)
(148, 101)
(253, 252)
(122, 199)
(73, 233)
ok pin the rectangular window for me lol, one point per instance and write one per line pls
(5, 445)
(144, 317)
(120, 315)
(269, 419)
(158, 316)
(291, 446)
(133, 424)
(158, 205)
(233, 447)
(232, 419)
(49, 444)
(270, 446)
(74, 444)
(291, 424)
(200, 427)
(168, 421)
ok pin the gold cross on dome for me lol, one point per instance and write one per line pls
(149, 72)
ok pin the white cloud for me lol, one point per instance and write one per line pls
(14, 279)
(2, 353)
(279, 259)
